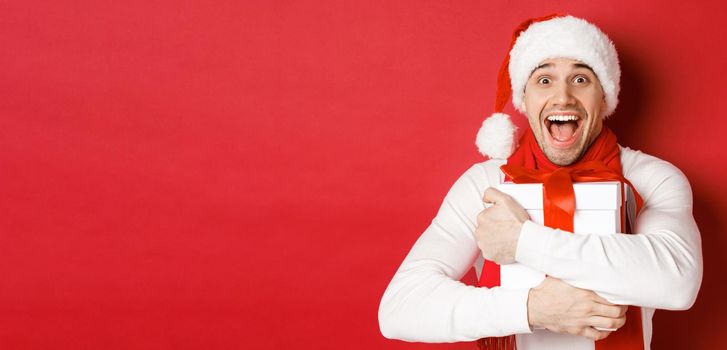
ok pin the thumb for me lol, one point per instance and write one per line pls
(493, 195)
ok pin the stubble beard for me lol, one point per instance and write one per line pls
(561, 157)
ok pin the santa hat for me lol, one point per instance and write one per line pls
(533, 41)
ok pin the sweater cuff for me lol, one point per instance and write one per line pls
(533, 244)
(511, 307)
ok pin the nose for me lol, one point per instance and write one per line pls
(562, 94)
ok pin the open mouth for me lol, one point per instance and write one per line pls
(563, 129)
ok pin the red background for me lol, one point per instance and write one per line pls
(196, 174)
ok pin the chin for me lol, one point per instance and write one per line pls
(563, 134)
(562, 159)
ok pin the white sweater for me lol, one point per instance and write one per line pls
(660, 267)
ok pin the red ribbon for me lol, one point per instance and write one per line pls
(559, 201)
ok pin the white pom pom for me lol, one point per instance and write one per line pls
(496, 138)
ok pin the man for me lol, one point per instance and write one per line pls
(563, 74)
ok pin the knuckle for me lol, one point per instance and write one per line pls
(595, 334)
(488, 192)
(619, 311)
(585, 294)
(609, 311)
(612, 323)
(623, 309)
(583, 332)
(586, 308)
(482, 217)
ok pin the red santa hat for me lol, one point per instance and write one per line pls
(533, 41)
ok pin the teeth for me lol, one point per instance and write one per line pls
(562, 118)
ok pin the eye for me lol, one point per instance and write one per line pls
(544, 80)
(580, 79)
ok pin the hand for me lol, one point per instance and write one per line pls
(498, 227)
(562, 308)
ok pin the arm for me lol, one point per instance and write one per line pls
(425, 301)
(660, 267)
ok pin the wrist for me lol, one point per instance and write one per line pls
(517, 229)
(532, 315)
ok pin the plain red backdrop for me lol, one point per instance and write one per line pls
(249, 174)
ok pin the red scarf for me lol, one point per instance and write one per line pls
(601, 162)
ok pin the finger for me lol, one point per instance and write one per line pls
(612, 311)
(623, 309)
(594, 334)
(599, 299)
(606, 323)
(493, 195)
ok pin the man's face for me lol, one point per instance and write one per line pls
(564, 101)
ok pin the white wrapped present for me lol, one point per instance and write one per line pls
(597, 211)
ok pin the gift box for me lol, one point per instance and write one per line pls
(597, 211)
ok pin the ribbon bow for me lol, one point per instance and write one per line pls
(559, 202)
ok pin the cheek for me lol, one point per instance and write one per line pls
(592, 100)
(534, 123)
(533, 104)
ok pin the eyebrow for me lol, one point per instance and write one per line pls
(576, 65)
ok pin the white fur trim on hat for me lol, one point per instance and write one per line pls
(568, 37)
(496, 136)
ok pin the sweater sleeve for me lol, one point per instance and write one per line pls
(659, 267)
(426, 302)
